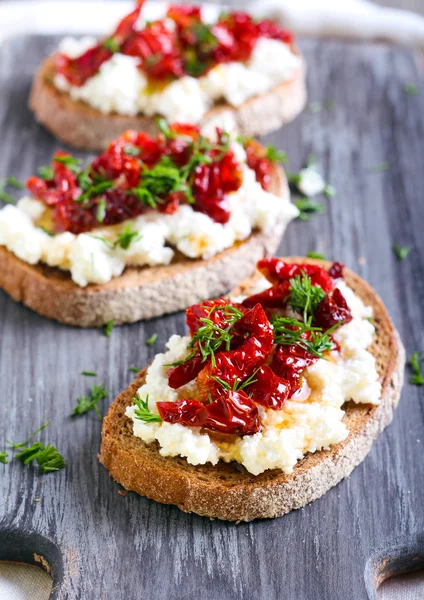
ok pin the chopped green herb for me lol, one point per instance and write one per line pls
(108, 327)
(152, 339)
(304, 296)
(72, 163)
(318, 106)
(134, 369)
(313, 254)
(142, 412)
(111, 44)
(165, 129)
(87, 403)
(329, 191)
(275, 155)
(5, 197)
(380, 168)
(131, 150)
(417, 378)
(101, 210)
(15, 183)
(127, 237)
(401, 252)
(291, 332)
(95, 189)
(50, 233)
(411, 90)
(46, 172)
(237, 385)
(27, 455)
(89, 373)
(308, 208)
(84, 179)
(4, 458)
(209, 337)
(22, 444)
(49, 459)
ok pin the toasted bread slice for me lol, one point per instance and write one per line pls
(82, 126)
(140, 292)
(228, 491)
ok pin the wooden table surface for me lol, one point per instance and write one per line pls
(104, 545)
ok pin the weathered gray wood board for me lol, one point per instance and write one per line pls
(115, 547)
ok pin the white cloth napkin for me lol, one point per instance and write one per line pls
(350, 19)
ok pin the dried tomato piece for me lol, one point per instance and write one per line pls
(196, 312)
(289, 362)
(245, 34)
(336, 270)
(210, 184)
(126, 26)
(78, 70)
(332, 310)
(181, 411)
(257, 161)
(277, 271)
(184, 373)
(234, 414)
(274, 297)
(268, 389)
(252, 345)
(184, 16)
(270, 29)
(156, 46)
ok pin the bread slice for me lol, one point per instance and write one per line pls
(82, 126)
(228, 491)
(140, 292)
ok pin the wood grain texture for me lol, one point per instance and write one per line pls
(116, 547)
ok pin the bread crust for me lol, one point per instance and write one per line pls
(228, 491)
(77, 124)
(140, 292)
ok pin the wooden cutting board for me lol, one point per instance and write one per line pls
(100, 544)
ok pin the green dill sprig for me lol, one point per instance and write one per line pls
(307, 208)
(380, 168)
(126, 237)
(46, 172)
(108, 327)
(4, 458)
(22, 444)
(313, 254)
(47, 456)
(134, 369)
(289, 332)
(411, 90)
(111, 44)
(10, 181)
(304, 296)
(238, 384)
(90, 402)
(417, 378)
(70, 162)
(275, 155)
(142, 411)
(152, 339)
(89, 373)
(401, 252)
(210, 337)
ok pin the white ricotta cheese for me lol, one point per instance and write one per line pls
(121, 87)
(310, 182)
(91, 260)
(308, 422)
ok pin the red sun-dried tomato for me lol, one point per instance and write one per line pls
(332, 310)
(78, 70)
(257, 161)
(268, 389)
(273, 297)
(156, 46)
(234, 413)
(277, 271)
(336, 270)
(270, 29)
(289, 362)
